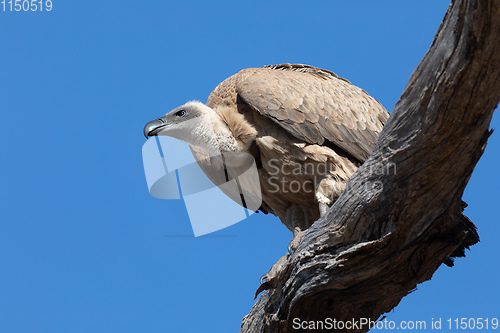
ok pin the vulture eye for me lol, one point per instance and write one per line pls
(180, 113)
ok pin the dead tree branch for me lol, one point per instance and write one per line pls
(390, 231)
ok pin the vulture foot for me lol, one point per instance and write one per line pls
(268, 280)
(298, 235)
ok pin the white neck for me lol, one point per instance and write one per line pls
(213, 134)
(208, 132)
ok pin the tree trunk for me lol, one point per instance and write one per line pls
(400, 216)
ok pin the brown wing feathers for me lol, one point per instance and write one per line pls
(312, 104)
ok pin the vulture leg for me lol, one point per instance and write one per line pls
(327, 193)
(323, 208)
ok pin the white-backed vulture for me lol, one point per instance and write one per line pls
(308, 130)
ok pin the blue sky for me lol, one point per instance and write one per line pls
(85, 248)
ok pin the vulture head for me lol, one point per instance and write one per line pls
(216, 131)
(193, 122)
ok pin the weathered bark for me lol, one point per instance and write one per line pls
(390, 231)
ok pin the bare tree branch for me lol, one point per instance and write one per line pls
(391, 230)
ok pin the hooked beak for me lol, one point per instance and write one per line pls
(153, 127)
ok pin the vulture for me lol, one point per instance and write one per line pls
(307, 130)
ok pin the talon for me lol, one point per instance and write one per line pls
(298, 235)
(271, 276)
